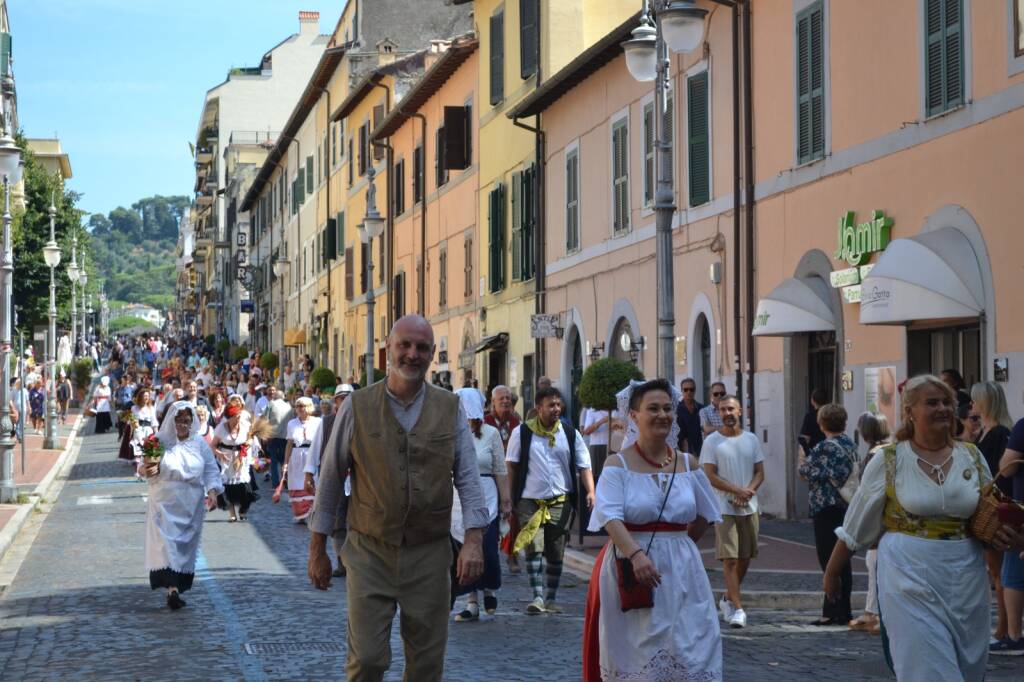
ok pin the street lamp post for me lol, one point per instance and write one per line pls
(83, 279)
(51, 254)
(281, 268)
(10, 168)
(73, 276)
(371, 228)
(679, 26)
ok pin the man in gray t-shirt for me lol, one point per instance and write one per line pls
(734, 463)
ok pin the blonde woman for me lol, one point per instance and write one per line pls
(990, 403)
(932, 583)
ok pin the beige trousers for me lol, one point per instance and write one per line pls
(380, 577)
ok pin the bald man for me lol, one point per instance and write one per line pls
(405, 443)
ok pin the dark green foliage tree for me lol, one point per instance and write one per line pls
(269, 361)
(30, 232)
(322, 378)
(603, 379)
(378, 375)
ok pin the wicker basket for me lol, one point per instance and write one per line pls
(984, 522)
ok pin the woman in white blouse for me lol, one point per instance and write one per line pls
(490, 458)
(932, 583)
(301, 432)
(650, 487)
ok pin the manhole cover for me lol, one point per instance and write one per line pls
(273, 648)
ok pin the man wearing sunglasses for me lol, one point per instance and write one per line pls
(710, 420)
(691, 437)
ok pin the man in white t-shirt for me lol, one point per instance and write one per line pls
(734, 463)
(596, 429)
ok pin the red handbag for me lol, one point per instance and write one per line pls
(632, 593)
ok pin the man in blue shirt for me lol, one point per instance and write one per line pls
(691, 436)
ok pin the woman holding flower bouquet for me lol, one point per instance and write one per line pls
(182, 471)
(235, 453)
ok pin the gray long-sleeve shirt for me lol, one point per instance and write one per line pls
(334, 463)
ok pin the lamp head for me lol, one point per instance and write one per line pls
(73, 271)
(10, 159)
(83, 277)
(51, 254)
(641, 56)
(682, 25)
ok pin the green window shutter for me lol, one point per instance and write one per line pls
(698, 144)
(310, 178)
(496, 220)
(517, 226)
(529, 221)
(497, 57)
(944, 59)
(5, 54)
(340, 239)
(528, 37)
(620, 176)
(810, 83)
(572, 201)
(649, 180)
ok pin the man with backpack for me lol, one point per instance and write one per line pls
(546, 461)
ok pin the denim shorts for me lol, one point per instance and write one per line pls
(1013, 571)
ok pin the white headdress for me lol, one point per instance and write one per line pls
(168, 434)
(632, 431)
(472, 402)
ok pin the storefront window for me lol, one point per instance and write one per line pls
(929, 351)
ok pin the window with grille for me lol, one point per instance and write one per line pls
(944, 55)
(810, 91)
(572, 201)
(620, 176)
(698, 138)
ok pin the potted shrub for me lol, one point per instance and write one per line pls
(322, 379)
(269, 362)
(239, 353)
(81, 377)
(210, 339)
(378, 375)
(222, 349)
(603, 379)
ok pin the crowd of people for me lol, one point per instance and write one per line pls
(423, 489)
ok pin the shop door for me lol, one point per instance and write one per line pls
(929, 351)
(496, 370)
(821, 363)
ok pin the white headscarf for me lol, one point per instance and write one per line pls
(105, 381)
(168, 435)
(472, 402)
(632, 431)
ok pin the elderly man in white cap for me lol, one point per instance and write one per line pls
(312, 471)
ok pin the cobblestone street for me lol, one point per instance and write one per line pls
(79, 607)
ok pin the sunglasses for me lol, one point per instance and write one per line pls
(718, 395)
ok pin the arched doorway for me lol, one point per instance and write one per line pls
(622, 340)
(702, 361)
(575, 377)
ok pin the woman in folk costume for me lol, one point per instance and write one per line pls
(141, 425)
(232, 444)
(655, 503)
(301, 431)
(185, 474)
(490, 458)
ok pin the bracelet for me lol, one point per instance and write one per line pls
(638, 550)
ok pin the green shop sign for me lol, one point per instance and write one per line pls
(857, 242)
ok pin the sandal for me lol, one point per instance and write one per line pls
(471, 612)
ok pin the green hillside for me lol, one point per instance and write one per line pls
(134, 249)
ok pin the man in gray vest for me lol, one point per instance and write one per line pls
(405, 442)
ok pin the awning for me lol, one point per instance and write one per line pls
(491, 342)
(799, 304)
(931, 276)
(294, 337)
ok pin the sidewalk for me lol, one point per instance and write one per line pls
(40, 468)
(785, 574)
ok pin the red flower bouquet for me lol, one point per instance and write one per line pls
(152, 448)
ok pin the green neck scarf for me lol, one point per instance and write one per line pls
(540, 430)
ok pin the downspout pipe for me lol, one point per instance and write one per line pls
(421, 295)
(736, 260)
(389, 221)
(539, 279)
(748, 174)
(327, 314)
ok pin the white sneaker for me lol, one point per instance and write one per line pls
(727, 609)
(738, 619)
(535, 607)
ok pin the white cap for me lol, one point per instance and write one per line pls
(343, 389)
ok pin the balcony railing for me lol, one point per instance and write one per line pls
(266, 137)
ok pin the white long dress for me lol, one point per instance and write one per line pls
(678, 640)
(933, 595)
(146, 426)
(301, 434)
(174, 518)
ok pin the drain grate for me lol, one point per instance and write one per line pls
(275, 648)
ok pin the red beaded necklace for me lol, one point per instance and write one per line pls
(660, 465)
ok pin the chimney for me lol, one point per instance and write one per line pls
(309, 23)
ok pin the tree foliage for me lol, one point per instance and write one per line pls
(322, 378)
(603, 379)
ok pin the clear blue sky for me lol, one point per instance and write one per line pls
(122, 82)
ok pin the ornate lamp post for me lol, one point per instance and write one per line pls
(371, 228)
(83, 279)
(51, 254)
(73, 276)
(10, 169)
(281, 267)
(678, 25)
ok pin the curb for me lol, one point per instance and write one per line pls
(13, 527)
(581, 564)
